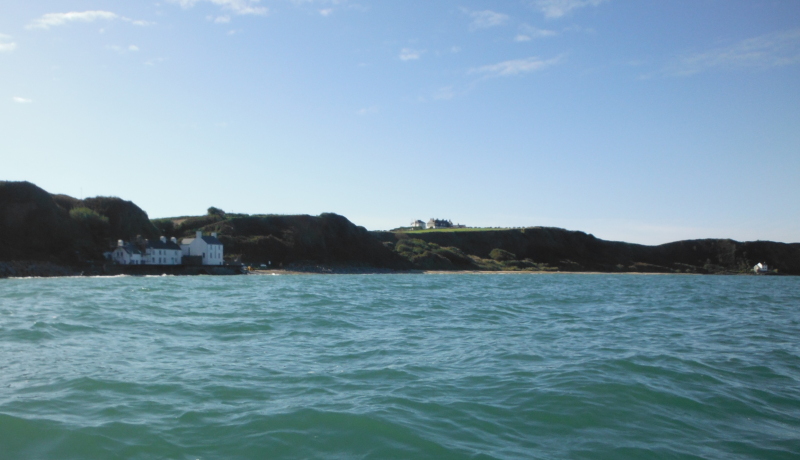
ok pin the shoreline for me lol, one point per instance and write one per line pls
(276, 272)
(45, 269)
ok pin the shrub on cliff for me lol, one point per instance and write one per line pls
(455, 256)
(212, 211)
(164, 226)
(431, 256)
(86, 216)
(96, 224)
(126, 220)
(501, 255)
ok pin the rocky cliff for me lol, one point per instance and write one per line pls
(35, 225)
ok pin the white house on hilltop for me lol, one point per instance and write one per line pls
(163, 252)
(209, 247)
(439, 223)
(418, 224)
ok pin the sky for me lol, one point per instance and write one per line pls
(633, 120)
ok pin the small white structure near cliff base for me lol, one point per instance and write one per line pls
(126, 254)
(209, 247)
(163, 252)
(760, 268)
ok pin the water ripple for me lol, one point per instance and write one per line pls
(400, 366)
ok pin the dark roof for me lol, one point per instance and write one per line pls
(130, 248)
(158, 244)
(212, 240)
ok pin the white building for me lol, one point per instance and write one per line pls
(127, 254)
(418, 225)
(439, 223)
(760, 268)
(209, 247)
(163, 252)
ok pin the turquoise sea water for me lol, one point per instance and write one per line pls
(400, 366)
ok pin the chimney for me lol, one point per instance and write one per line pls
(174, 240)
(199, 234)
(120, 243)
(214, 234)
(163, 239)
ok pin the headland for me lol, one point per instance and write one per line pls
(56, 235)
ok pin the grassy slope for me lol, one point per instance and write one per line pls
(538, 248)
(449, 230)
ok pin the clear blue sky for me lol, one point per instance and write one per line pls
(642, 121)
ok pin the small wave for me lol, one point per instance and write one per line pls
(104, 276)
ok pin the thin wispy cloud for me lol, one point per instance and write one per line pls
(560, 8)
(318, 3)
(408, 54)
(21, 100)
(528, 33)
(122, 49)
(516, 67)
(58, 19)
(327, 7)
(6, 45)
(485, 19)
(239, 7)
(766, 51)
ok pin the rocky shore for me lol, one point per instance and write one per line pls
(35, 268)
(29, 268)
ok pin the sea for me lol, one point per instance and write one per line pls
(400, 366)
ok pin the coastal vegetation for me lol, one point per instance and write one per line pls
(548, 248)
(36, 225)
(58, 229)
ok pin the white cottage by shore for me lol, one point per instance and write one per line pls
(209, 247)
(163, 252)
(127, 254)
(761, 268)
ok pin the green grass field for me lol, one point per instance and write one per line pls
(446, 230)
